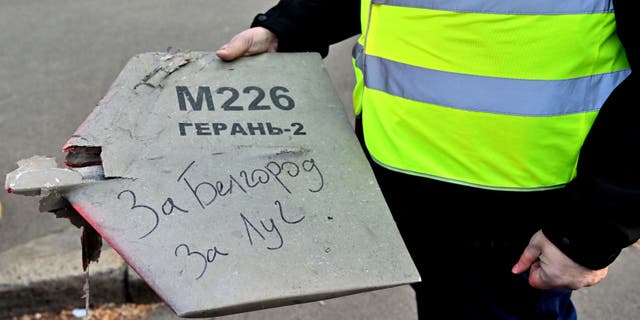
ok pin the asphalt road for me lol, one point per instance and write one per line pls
(58, 59)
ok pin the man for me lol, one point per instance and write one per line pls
(474, 115)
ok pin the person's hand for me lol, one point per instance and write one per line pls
(248, 42)
(549, 268)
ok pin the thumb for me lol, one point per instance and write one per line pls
(248, 42)
(528, 257)
(235, 48)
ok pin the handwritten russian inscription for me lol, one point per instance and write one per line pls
(206, 192)
(206, 258)
(270, 227)
(197, 194)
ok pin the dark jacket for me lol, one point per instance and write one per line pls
(591, 219)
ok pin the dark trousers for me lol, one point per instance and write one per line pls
(464, 242)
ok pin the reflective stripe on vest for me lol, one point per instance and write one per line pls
(493, 94)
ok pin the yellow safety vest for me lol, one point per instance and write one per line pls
(493, 94)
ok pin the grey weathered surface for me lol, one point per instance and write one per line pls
(237, 186)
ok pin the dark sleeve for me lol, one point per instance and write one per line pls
(311, 25)
(606, 192)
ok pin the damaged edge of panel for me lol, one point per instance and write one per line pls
(170, 63)
(41, 176)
